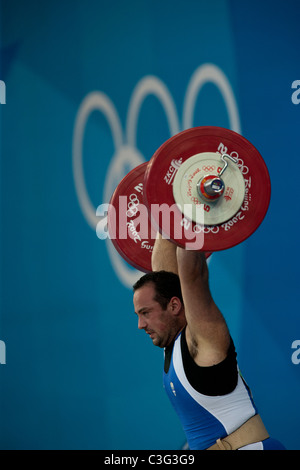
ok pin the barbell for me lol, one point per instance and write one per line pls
(206, 188)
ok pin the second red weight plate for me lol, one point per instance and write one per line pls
(129, 225)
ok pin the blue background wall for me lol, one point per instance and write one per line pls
(92, 89)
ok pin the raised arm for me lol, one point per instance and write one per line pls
(164, 255)
(207, 333)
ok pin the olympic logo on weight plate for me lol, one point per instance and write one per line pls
(126, 152)
(209, 168)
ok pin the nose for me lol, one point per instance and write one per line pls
(141, 323)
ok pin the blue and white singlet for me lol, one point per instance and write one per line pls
(211, 402)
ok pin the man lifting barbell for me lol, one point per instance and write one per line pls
(224, 174)
(201, 376)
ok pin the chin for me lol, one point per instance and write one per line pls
(159, 343)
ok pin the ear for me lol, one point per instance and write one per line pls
(175, 305)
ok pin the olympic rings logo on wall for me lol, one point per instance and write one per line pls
(126, 152)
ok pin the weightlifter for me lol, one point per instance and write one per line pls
(175, 307)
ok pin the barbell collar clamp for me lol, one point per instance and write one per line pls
(211, 187)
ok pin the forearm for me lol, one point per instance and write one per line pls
(164, 255)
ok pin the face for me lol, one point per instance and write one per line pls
(161, 325)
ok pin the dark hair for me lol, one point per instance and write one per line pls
(167, 285)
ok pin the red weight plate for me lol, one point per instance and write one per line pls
(128, 223)
(164, 164)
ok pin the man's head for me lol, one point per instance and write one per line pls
(159, 305)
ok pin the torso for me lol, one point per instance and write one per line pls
(211, 401)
